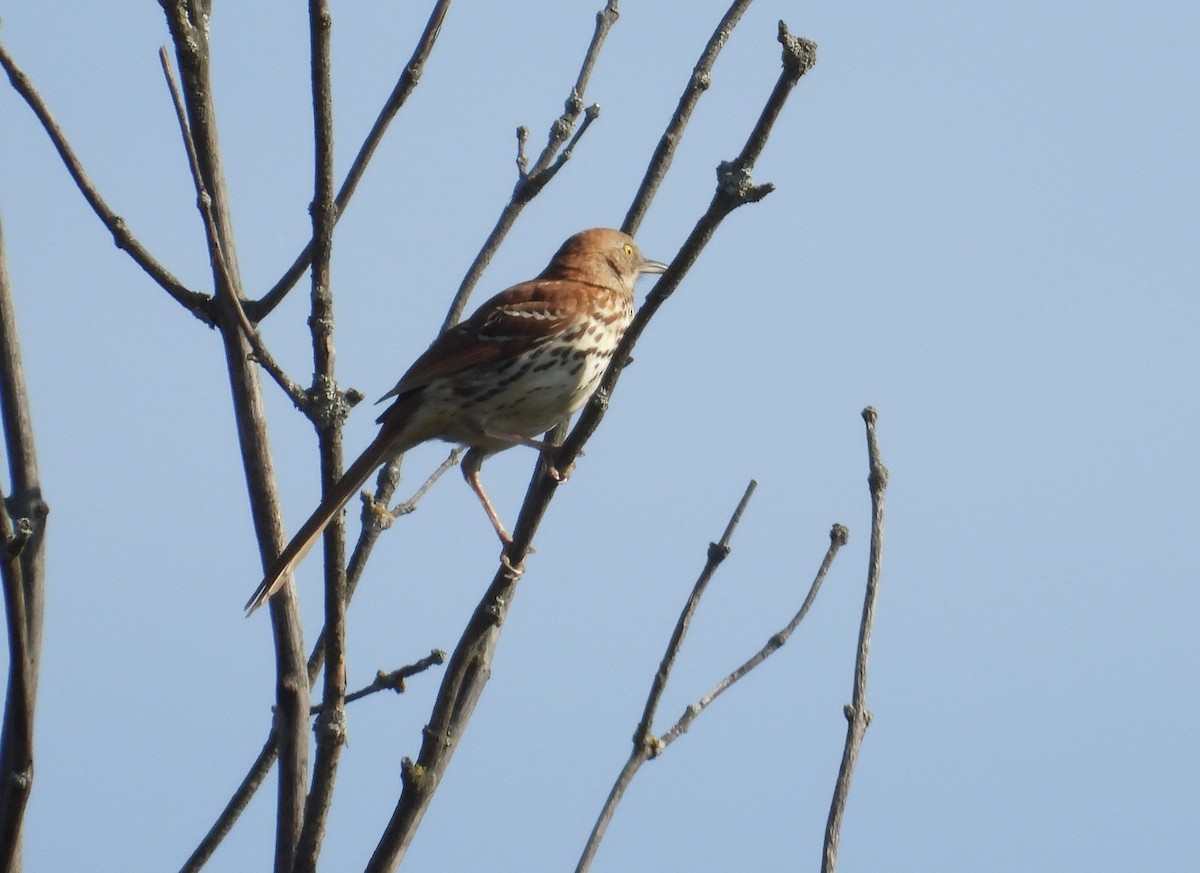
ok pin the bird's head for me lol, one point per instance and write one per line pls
(601, 255)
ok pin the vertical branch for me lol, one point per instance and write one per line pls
(330, 728)
(408, 81)
(16, 745)
(858, 716)
(188, 24)
(23, 574)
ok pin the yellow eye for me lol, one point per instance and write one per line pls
(628, 250)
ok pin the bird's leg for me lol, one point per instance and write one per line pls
(548, 449)
(470, 470)
(470, 467)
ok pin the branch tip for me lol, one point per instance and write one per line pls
(799, 54)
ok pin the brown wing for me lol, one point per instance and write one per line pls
(509, 324)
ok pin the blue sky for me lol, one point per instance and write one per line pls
(984, 226)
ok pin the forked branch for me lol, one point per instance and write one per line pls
(645, 744)
(194, 302)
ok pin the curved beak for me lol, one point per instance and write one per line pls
(651, 267)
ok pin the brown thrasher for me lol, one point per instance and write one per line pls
(526, 360)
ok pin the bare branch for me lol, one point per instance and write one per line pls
(645, 746)
(717, 552)
(858, 716)
(408, 81)
(22, 573)
(393, 681)
(16, 744)
(188, 23)
(236, 805)
(375, 519)
(699, 82)
(331, 722)
(216, 255)
(838, 535)
(529, 184)
(194, 302)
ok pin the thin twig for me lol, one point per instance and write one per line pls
(645, 746)
(194, 302)
(410, 505)
(858, 716)
(408, 81)
(530, 183)
(699, 82)
(717, 552)
(838, 536)
(393, 681)
(217, 255)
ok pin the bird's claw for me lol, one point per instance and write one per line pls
(515, 571)
(560, 475)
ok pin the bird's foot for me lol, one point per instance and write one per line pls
(560, 476)
(514, 572)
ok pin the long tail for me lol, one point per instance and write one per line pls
(385, 445)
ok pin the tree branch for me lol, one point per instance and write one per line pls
(530, 184)
(216, 255)
(22, 572)
(330, 728)
(16, 744)
(645, 746)
(375, 519)
(858, 716)
(405, 85)
(197, 304)
(699, 82)
(394, 680)
(188, 23)
(838, 535)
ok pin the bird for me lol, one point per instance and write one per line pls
(526, 360)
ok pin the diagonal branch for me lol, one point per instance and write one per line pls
(531, 182)
(645, 746)
(838, 536)
(394, 680)
(216, 255)
(858, 716)
(699, 82)
(405, 85)
(194, 302)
